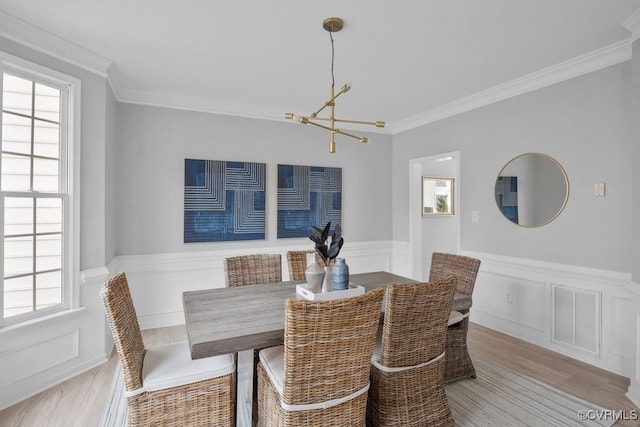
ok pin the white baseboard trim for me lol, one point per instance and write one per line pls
(633, 394)
(33, 385)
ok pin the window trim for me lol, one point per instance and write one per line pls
(70, 166)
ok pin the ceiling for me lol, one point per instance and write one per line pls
(263, 58)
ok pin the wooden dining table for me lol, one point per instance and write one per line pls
(229, 320)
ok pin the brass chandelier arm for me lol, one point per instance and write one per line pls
(359, 138)
(331, 102)
(360, 122)
(309, 121)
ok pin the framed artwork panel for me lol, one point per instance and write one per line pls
(308, 196)
(223, 201)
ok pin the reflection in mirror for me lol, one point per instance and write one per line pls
(532, 189)
(437, 196)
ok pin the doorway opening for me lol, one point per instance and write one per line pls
(432, 233)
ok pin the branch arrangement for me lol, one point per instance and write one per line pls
(327, 252)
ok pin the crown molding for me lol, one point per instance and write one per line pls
(38, 39)
(28, 35)
(633, 25)
(214, 106)
(578, 66)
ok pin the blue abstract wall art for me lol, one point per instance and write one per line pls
(308, 196)
(223, 201)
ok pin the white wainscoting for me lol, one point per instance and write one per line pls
(633, 393)
(512, 295)
(158, 281)
(587, 314)
(41, 353)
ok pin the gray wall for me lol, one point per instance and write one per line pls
(111, 226)
(635, 62)
(153, 143)
(585, 124)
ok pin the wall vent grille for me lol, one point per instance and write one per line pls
(576, 318)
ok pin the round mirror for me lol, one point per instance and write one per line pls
(532, 189)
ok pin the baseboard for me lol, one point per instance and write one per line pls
(31, 386)
(633, 394)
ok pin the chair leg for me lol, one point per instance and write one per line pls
(458, 364)
(254, 409)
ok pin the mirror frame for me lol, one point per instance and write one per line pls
(566, 194)
(450, 194)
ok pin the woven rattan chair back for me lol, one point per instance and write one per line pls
(407, 377)
(122, 318)
(465, 270)
(297, 262)
(415, 322)
(328, 347)
(253, 269)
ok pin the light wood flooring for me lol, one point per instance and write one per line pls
(80, 400)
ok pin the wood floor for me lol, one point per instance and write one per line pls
(80, 400)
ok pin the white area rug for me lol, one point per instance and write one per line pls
(499, 397)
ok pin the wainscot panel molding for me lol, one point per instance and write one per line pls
(633, 393)
(157, 281)
(40, 353)
(587, 314)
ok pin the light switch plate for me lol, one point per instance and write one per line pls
(599, 189)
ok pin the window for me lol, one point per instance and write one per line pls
(35, 188)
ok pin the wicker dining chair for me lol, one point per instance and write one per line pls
(252, 269)
(465, 269)
(407, 372)
(163, 385)
(320, 376)
(297, 262)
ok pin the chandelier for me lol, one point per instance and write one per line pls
(333, 25)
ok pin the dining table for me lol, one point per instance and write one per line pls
(233, 319)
